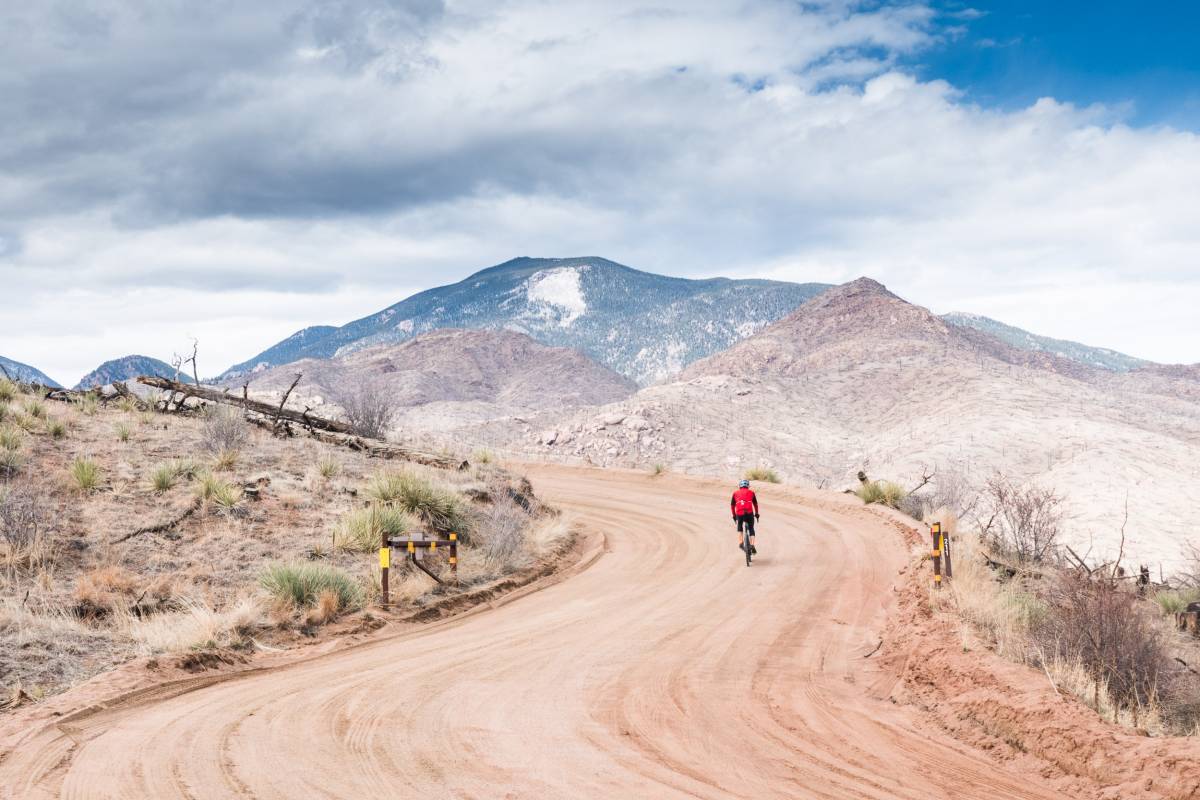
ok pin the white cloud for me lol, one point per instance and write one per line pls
(320, 166)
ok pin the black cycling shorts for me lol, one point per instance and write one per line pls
(749, 520)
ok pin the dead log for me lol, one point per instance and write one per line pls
(266, 409)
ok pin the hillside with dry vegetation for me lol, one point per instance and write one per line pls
(857, 378)
(125, 531)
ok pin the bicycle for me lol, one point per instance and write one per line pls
(747, 531)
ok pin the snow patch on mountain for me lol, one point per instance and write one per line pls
(557, 292)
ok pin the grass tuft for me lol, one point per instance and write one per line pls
(441, 508)
(765, 474)
(362, 530)
(1175, 601)
(163, 478)
(11, 462)
(658, 469)
(56, 428)
(11, 439)
(35, 409)
(8, 390)
(329, 468)
(86, 473)
(300, 584)
(122, 431)
(226, 460)
(218, 491)
(882, 492)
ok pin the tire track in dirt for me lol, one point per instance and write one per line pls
(666, 669)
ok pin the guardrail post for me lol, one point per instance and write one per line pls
(385, 563)
(454, 556)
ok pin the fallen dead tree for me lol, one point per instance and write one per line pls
(283, 422)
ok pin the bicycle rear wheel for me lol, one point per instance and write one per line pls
(746, 547)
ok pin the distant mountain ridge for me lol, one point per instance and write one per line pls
(127, 368)
(1100, 357)
(641, 325)
(27, 374)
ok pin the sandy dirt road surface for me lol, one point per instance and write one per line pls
(666, 669)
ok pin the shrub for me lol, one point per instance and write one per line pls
(56, 428)
(443, 509)
(86, 473)
(369, 407)
(122, 431)
(224, 429)
(24, 519)
(1022, 520)
(226, 460)
(8, 390)
(884, 493)
(301, 583)
(762, 474)
(1100, 624)
(362, 530)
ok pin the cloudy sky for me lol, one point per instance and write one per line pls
(235, 171)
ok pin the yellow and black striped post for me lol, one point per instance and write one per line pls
(454, 556)
(935, 531)
(385, 563)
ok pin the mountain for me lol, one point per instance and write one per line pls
(290, 349)
(1100, 357)
(25, 373)
(642, 325)
(858, 378)
(451, 377)
(127, 368)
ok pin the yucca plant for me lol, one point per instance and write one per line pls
(362, 530)
(86, 473)
(329, 468)
(301, 583)
(122, 431)
(226, 460)
(443, 509)
(218, 491)
(11, 439)
(163, 478)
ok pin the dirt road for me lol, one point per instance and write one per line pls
(666, 669)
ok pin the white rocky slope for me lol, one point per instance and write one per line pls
(858, 377)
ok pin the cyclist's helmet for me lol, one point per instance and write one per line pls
(744, 485)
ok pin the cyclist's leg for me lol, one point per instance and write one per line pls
(750, 527)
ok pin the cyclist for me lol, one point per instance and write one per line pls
(744, 507)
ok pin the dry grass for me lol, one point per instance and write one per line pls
(884, 493)
(329, 468)
(87, 404)
(35, 409)
(8, 390)
(195, 626)
(11, 439)
(1175, 601)
(761, 474)
(226, 460)
(325, 609)
(224, 429)
(86, 473)
(1072, 677)
(56, 429)
(122, 432)
(103, 590)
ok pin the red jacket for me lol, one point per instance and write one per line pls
(742, 501)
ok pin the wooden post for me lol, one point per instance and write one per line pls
(946, 553)
(385, 563)
(935, 531)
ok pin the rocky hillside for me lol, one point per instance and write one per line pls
(642, 325)
(857, 377)
(24, 373)
(448, 377)
(127, 368)
(1099, 357)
